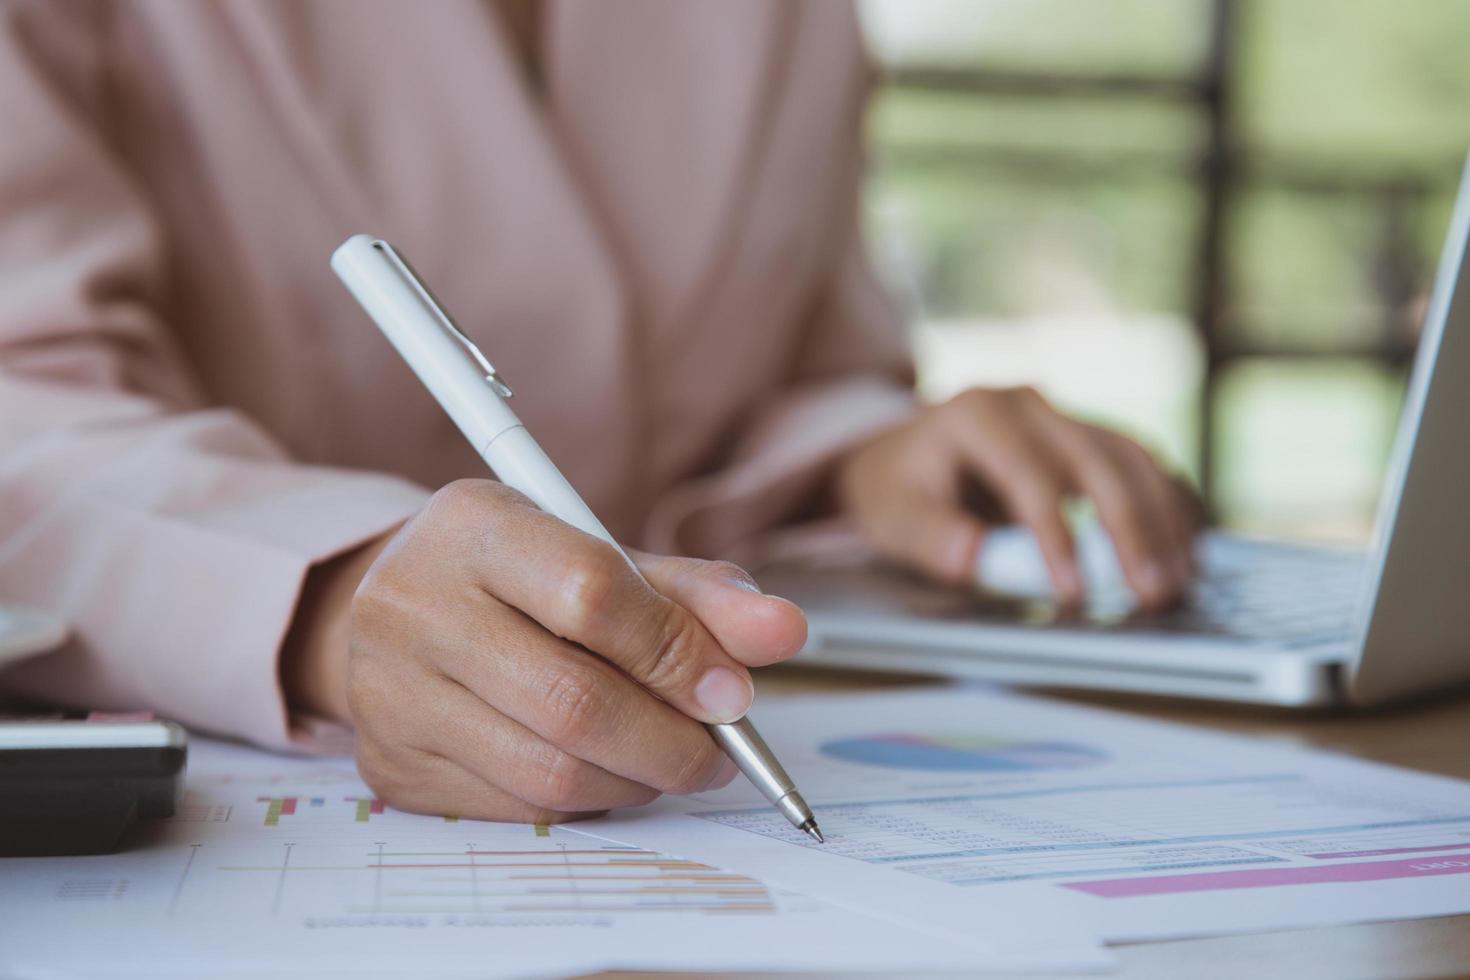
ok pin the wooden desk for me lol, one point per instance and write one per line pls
(1434, 737)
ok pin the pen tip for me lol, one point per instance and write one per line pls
(813, 832)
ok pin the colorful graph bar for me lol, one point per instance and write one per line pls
(277, 807)
(1453, 864)
(285, 806)
(366, 806)
(567, 880)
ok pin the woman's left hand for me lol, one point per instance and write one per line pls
(926, 492)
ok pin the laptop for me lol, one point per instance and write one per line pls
(1266, 623)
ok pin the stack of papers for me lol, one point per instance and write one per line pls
(966, 830)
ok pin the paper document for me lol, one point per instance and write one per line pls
(279, 867)
(961, 809)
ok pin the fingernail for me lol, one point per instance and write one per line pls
(1153, 581)
(724, 694)
(744, 585)
(1069, 581)
(726, 775)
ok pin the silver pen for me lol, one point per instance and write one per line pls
(744, 744)
(475, 396)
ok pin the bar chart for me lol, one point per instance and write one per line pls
(554, 878)
(272, 861)
(274, 811)
(364, 807)
(284, 806)
(327, 849)
(507, 870)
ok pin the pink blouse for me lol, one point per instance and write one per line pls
(660, 249)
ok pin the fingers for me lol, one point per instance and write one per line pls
(467, 701)
(583, 707)
(1139, 537)
(1026, 474)
(1033, 458)
(934, 536)
(512, 758)
(582, 589)
(1134, 504)
(1039, 505)
(754, 628)
(1165, 499)
(1190, 504)
(394, 703)
(421, 782)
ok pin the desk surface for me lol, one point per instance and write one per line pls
(1434, 737)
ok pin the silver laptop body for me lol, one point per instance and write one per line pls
(1267, 623)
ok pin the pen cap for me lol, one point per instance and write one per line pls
(444, 360)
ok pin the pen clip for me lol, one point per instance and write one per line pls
(492, 377)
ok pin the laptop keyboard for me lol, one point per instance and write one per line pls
(1259, 592)
(1287, 596)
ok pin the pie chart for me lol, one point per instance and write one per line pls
(961, 753)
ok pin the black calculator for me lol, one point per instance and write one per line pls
(76, 787)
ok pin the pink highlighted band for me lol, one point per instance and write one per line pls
(1451, 864)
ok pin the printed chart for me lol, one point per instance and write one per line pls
(506, 874)
(968, 804)
(276, 863)
(1123, 839)
(238, 853)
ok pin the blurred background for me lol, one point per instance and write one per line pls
(1212, 223)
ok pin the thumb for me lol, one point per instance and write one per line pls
(754, 628)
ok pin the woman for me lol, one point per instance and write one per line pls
(260, 524)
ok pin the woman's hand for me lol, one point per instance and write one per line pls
(506, 666)
(925, 492)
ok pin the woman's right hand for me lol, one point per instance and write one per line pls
(506, 666)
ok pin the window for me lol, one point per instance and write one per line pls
(1211, 223)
